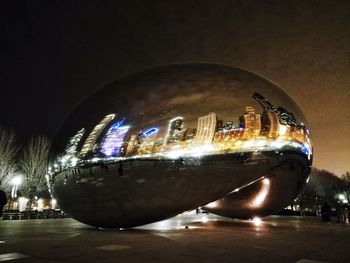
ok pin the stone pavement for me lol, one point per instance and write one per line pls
(208, 238)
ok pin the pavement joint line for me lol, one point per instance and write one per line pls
(12, 256)
(305, 260)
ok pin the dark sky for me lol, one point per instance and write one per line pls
(55, 53)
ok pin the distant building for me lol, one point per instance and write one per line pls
(270, 124)
(72, 146)
(220, 125)
(298, 133)
(228, 126)
(277, 122)
(190, 134)
(263, 101)
(207, 126)
(114, 139)
(251, 121)
(227, 136)
(286, 117)
(147, 145)
(90, 141)
(175, 131)
(132, 145)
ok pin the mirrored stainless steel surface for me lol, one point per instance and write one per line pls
(166, 140)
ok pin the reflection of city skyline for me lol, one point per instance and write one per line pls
(111, 138)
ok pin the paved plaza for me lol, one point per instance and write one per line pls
(185, 238)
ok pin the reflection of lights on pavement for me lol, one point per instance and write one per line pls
(261, 196)
(257, 221)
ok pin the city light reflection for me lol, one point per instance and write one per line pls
(274, 129)
(262, 194)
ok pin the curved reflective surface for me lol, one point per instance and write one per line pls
(166, 140)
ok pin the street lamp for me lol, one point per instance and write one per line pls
(16, 181)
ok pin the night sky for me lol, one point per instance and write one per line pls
(55, 53)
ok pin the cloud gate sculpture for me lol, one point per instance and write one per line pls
(170, 139)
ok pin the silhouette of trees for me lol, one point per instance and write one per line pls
(323, 187)
(8, 152)
(34, 167)
(346, 185)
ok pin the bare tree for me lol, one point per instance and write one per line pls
(34, 167)
(8, 151)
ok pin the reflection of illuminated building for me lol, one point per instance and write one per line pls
(206, 128)
(284, 131)
(286, 117)
(132, 145)
(114, 138)
(269, 118)
(73, 143)
(148, 143)
(158, 145)
(175, 132)
(228, 126)
(228, 136)
(252, 123)
(263, 101)
(90, 142)
(190, 134)
(270, 124)
(298, 133)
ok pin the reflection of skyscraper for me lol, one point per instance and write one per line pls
(220, 125)
(270, 117)
(207, 125)
(90, 142)
(147, 144)
(175, 132)
(228, 126)
(132, 145)
(270, 124)
(229, 136)
(72, 145)
(252, 123)
(298, 133)
(286, 117)
(263, 101)
(114, 138)
(190, 134)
